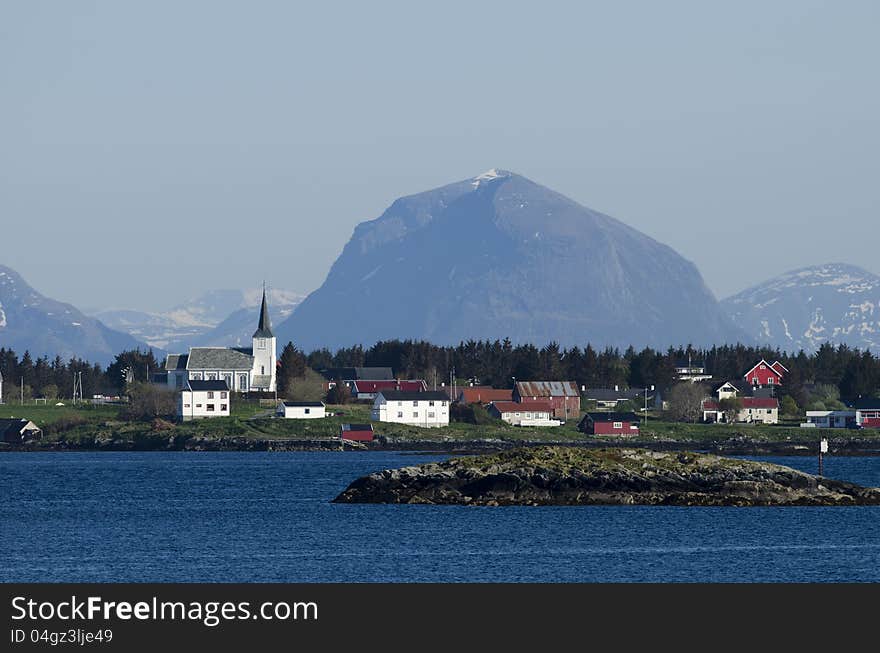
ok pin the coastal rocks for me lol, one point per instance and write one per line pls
(570, 476)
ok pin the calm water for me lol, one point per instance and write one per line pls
(268, 517)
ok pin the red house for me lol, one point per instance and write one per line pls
(764, 374)
(610, 424)
(483, 395)
(562, 395)
(370, 389)
(357, 432)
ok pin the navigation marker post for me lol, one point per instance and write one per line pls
(823, 449)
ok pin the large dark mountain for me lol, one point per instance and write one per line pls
(804, 308)
(44, 327)
(500, 256)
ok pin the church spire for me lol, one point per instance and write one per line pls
(264, 329)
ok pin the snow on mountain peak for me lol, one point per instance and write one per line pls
(489, 175)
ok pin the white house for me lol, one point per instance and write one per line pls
(426, 409)
(301, 409)
(244, 369)
(830, 419)
(532, 413)
(202, 399)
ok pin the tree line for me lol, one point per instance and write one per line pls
(852, 372)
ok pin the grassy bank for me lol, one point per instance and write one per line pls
(97, 425)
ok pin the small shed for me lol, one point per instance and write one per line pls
(610, 424)
(301, 409)
(356, 432)
(17, 431)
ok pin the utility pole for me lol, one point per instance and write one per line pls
(823, 449)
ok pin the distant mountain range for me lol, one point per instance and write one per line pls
(217, 318)
(32, 322)
(498, 256)
(804, 308)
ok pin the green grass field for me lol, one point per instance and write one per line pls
(87, 424)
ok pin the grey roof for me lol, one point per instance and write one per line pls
(261, 381)
(547, 389)
(403, 395)
(358, 373)
(211, 385)
(176, 362)
(357, 427)
(264, 328)
(303, 404)
(610, 394)
(611, 417)
(218, 358)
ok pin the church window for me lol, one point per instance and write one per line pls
(242, 383)
(212, 376)
(261, 344)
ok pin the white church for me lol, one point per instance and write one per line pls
(245, 369)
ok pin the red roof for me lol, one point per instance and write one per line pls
(484, 395)
(530, 407)
(378, 386)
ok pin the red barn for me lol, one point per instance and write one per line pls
(562, 395)
(483, 395)
(610, 424)
(764, 374)
(357, 432)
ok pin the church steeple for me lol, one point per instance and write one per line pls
(264, 329)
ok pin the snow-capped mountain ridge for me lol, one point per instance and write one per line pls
(45, 327)
(803, 308)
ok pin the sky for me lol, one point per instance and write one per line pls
(150, 151)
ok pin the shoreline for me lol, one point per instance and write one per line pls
(732, 447)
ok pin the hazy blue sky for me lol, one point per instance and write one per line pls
(153, 150)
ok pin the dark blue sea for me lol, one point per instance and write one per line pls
(240, 517)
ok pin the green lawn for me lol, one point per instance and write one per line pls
(249, 420)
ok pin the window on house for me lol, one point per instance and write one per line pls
(400, 403)
(212, 377)
(228, 379)
(618, 425)
(415, 413)
(763, 367)
(223, 395)
(431, 415)
(242, 383)
(770, 381)
(443, 403)
(416, 404)
(430, 403)
(196, 376)
(187, 405)
(263, 370)
(224, 407)
(210, 408)
(210, 395)
(400, 414)
(198, 405)
(308, 410)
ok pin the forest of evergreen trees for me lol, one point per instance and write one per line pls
(854, 373)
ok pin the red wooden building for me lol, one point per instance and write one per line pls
(764, 374)
(562, 395)
(610, 424)
(868, 413)
(357, 432)
(483, 395)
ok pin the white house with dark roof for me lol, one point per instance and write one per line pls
(203, 399)
(251, 369)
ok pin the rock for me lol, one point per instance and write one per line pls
(572, 476)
